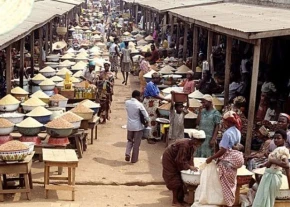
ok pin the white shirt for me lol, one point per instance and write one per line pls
(121, 21)
(89, 75)
(133, 107)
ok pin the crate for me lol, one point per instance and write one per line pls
(70, 94)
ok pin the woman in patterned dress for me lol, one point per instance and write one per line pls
(151, 101)
(144, 68)
(114, 54)
(229, 159)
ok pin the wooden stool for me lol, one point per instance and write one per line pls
(22, 168)
(60, 158)
(93, 125)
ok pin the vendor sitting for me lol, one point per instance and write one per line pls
(188, 84)
(89, 74)
(154, 55)
(178, 157)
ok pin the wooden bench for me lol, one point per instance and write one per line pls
(21, 168)
(93, 125)
(80, 139)
(60, 158)
(282, 203)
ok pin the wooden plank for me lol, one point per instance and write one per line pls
(27, 186)
(40, 41)
(59, 155)
(8, 69)
(185, 41)
(32, 53)
(209, 49)
(195, 48)
(58, 178)
(228, 68)
(21, 73)
(275, 33)
(46, 39)
(252, 104)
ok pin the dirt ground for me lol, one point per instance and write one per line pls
(103, 177)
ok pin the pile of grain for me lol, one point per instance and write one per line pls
(67, 56)
(166, 69)
(13, 145)
(78, 74)
(82, 84)
(194, 103)
(90, 104)
(29, 123)
(190, 115)
(165, 106)
(80, 108)
(196, 94)
(149, 38)
(47, 69)
(71, 117)
(34, 101)
(47, 82)
(56, 79)
(63, 71)
(58, 97)
(59, 123)
(39, 111)
(182, 69)
(217, 102)
(4, 123)
(39, 77)
(19, 90)
(74, 80)
(39, 94)
(9, 100)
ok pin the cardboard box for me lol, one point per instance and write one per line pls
(70, 94)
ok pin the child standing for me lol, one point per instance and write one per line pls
(176, 117)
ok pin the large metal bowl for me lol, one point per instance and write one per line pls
(163, 112)
(16, 155)
(190, 177)
(10, 107)
(53, 132)
(47, 87)
(42, 119)
(6, 130)
(13, 117)
(29, 131)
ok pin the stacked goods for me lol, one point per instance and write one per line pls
(83, 111)
(9, 103)
(29, 127)
(72, 118)
(6, 127)
(13, 151)
(59, 128)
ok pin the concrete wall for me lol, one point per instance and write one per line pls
(272, 3)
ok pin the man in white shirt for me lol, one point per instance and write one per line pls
(134, 126)
(89, 73)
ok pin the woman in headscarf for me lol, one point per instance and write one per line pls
(177, 157)
(259, 158)
(272, 178)
(188, 84)
(114, 54)
(208, 120)
(228, 158)
(105, 91)
(152, 97)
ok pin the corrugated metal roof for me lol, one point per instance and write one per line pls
(251, 20)
(42, 12)
(164, 5)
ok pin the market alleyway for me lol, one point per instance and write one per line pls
(103, 177)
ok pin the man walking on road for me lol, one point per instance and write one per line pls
(135, 111)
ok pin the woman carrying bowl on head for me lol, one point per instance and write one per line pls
(229, 159)
(152, 98)
(177, 157)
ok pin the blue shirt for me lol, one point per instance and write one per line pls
(122, 45)
(151, 90)
(230, 138)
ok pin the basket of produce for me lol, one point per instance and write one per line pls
(91, 105)
(40, 114)
(47, 85)
(14, 117)
(32, 103)
(13, 151)
(19, 93)
(9, 103)
(58, 100)
(164, 109)
(6, 127)
(72, 118)
(83, 111)
(29, 127)
(48, 71)
(41, 95)
(59, 128)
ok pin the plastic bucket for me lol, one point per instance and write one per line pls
(146, 132)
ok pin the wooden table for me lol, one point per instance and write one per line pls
(93, 125)
(21, 168)
(80, 139)
(60, 158)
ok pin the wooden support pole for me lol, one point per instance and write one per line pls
(46, 39)
(164, 27)
(228, 68)
(195, 48)
(144, 18)
(185, 41)
(121, 6)
(40, 62)
(136, 15)
(209, 49)
(171, 27)
(150, 21)
(50, 35)
(21, 74)
(177, 39)
(252, 104)
(32, 53)
(8, 69)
